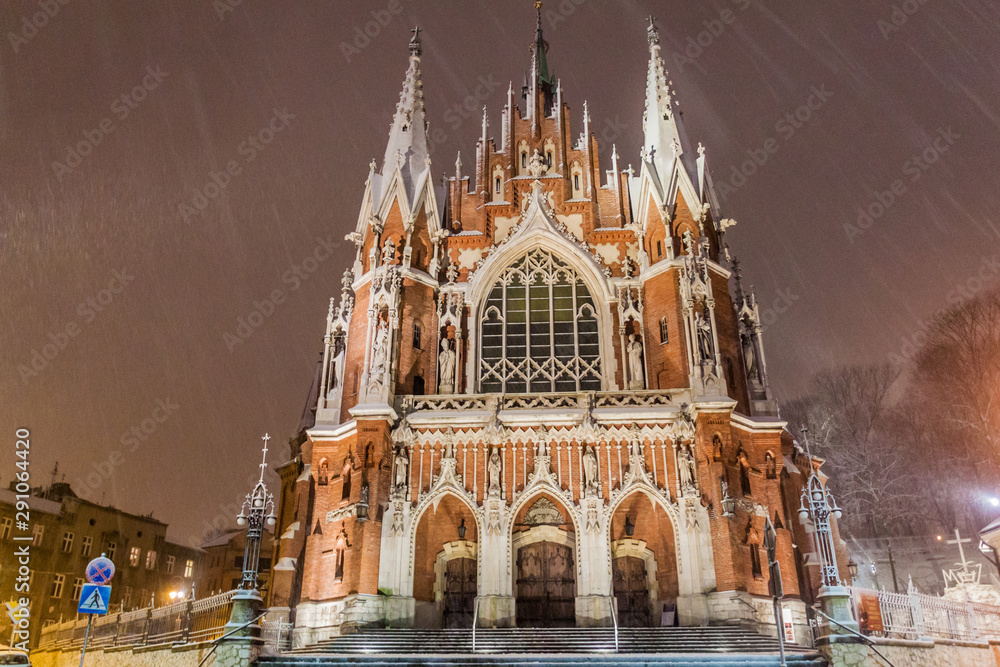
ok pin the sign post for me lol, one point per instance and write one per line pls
(777, 590)
(95, 598)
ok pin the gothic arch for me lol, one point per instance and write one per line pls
(654, 496)
(532, 493)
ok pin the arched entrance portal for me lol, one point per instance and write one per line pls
(445, 555)
(544, 547)
(643, 563)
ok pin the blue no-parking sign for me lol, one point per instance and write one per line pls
(100, 570)
(94, 599)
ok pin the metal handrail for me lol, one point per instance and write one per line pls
(614, 618)
(867, 640)
(475, 620)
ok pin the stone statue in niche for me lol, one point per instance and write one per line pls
(402, 466)
(749, 354)
(635, 371)
(380, 353)
(590, 468)
(704, 337)
(685, 466)
(493, 468)
(446, 368)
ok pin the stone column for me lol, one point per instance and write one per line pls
(243, 646)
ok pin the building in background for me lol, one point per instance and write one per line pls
(70, 531)
(222, 563)
(543, 388)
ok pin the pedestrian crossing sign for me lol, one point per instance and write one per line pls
(94, 599)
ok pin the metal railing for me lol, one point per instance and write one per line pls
(612, 600)
(915, 616)
(181, 622)
(475, 622)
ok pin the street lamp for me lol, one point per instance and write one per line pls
(817, 505)
(461, 529)
(629, 527)
(852, 568)
(258, 508)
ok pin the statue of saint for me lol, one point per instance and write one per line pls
(379, 350)
(753, 370)
(494, 471)
(536, 164)
(635, 371)
(704, 338)
(590, 468)
(446, 368)
(388, 251)
(685, 466)
(402, 465)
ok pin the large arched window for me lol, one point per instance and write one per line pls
(539, 330)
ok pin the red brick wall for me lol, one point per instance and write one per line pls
(438, 526)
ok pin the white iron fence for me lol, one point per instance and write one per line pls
(913, 616)
(182, 622)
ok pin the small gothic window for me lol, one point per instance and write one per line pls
(755, 568)
(664, 334)
(548, 159)
(524, 160)
(416, 335)
(324, 473)
(346, 476)
(659, 249)
(770, 466)
(496, 185)
(745, 480)
(576, 181)
(418, 385)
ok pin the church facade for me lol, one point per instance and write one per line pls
(543, 398)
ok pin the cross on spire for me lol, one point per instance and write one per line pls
(263, 462)
(415, 47)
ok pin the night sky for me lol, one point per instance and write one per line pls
(115, 259)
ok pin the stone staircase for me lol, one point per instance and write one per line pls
(714, 646)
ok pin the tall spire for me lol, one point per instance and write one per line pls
(408, 134)
(664, 138)
(540, 49)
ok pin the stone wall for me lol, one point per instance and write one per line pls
(188, 655)
(908, 653)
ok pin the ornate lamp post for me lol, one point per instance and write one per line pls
(258, 509)
(817, 505)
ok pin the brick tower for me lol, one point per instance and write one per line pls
(539, 397)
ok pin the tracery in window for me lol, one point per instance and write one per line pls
(539, 330)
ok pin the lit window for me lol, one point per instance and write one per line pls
(189, 569)
(5, 526)
(67, 544)
(38, 534)
(133, 556)
(170, 564)
(77, 588)
(539, 330)
(57, 585)
(88, 544)
(150, 559)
